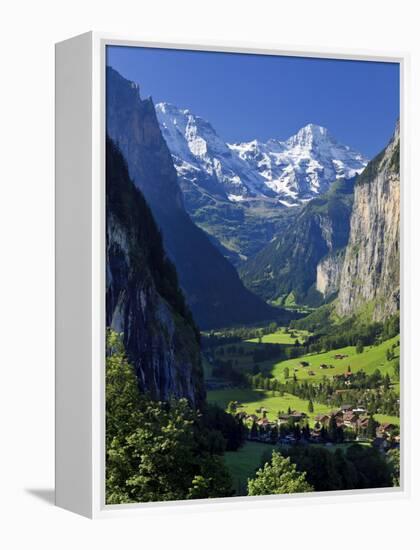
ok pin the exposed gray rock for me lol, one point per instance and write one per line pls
(370, 276)
(328, 273)
(143, 301)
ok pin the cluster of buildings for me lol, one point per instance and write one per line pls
(353, 418)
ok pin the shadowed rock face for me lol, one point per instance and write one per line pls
(305, 258)
(370, 275)
(143, 300)
(328, 273)
(244, 194)
(211, 285)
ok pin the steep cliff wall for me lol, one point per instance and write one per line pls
(370, 275)
(211, 285)
(328, 273)
(143, 299)
(289, 263)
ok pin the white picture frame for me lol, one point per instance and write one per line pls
(80, 276)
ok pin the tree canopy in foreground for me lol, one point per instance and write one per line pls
(277, 477)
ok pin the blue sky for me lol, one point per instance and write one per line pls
(253, 96)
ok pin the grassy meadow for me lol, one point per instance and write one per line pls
(251, 400)
(282, 337)
(243, 464)
(372, 358)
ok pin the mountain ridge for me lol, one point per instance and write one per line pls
(298, 168)
(213, 289)
(301, 263)
(243, 195)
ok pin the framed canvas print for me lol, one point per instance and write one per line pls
(229, 281)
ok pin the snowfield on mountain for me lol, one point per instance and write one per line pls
(291, 171)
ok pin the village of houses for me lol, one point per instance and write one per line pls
(292, 428)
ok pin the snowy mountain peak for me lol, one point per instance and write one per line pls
(188, 136)
(310, 135)
(291, 171)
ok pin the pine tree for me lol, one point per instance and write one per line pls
(310, 406)
(371, 427)
(359, 346)
(254, 430)
(332, 429)
(274, 434)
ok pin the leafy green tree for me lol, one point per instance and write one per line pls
(332, 429)
(310, 406)
(154, 450)
(394, 461)
(274, 434)
(254, 430)
(232, 407)
(319, 465)
(286, 372)
(218, 423)
(213, 481)
(277, 477)
(255, 369)
(371, 427)
(283, 430)
(371, 467)
(359, 347)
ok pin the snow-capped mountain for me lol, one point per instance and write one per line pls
(291, 171)
(198, 152)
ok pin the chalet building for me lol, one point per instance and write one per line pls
(296, 416)
(263, 422)
(385, 429)
(322, 418)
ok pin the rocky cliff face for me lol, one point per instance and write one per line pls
(211, 285)
(328, 273)
(143, 300)
(370, 276)
(244, 194)
(293, 262)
